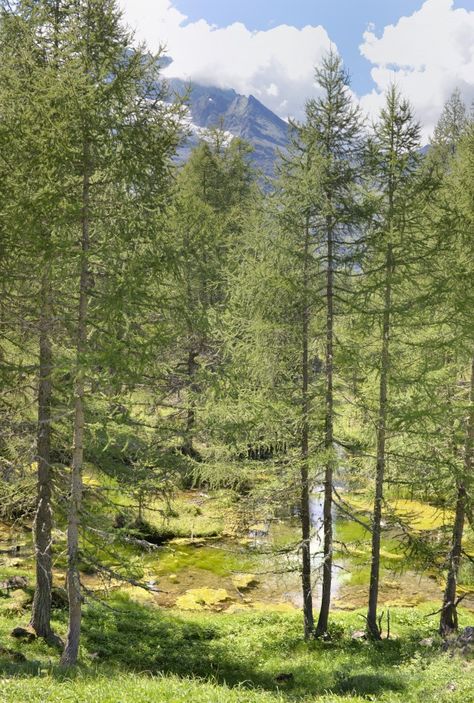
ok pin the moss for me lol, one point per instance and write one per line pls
(244, 581)
(216, 560)
(419, 516)
(273, 607)
(16, 602)
(202, 599)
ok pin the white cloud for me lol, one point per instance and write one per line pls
(427, 55)
(276, 65)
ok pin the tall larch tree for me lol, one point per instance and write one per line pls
(395, 149)
(333, 132)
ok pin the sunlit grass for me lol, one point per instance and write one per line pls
(143, 655)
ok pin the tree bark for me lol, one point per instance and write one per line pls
(188, 444)
(42, 528)
(372, 625)
(449, 617)
(305, 507)
(71, 650)
(323, 619)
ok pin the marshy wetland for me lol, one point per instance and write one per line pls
(211, 560)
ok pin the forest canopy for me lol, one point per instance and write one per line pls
(207, 371)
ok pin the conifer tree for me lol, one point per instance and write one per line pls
(333, 132)
(123, 138)
(213, 188)
(100, 137)
(30, 43)
(457, 226)
(395, 150)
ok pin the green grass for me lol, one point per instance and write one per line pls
(143, 654)
(127, 689)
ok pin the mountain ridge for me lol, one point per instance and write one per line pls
(240, 115)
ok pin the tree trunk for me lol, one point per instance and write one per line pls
(449, 618)
(41, 610)
(323, 619)
(42, 528)
(70, 654)
(188, 444)
(372, 625)
(305, 508)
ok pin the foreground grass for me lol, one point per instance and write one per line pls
(135, 654)
(130, 689)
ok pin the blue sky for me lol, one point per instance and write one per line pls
(269, 48)
(344, 20)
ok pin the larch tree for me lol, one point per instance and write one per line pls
(457, 227)
(333, 132)
(395, 153)
(34, 178)
(212, 189)
(116, 137)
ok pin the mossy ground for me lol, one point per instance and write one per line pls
(137, 654)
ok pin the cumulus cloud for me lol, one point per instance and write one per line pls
(276, 65)
(427, 55)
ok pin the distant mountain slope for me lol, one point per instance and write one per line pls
(242, 116)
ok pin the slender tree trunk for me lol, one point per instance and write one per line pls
(323, 619)
(42, 528)
(449, 617)
(372, 625)
(305, 488)
(70, 654)
(188, 447)
(41, 611)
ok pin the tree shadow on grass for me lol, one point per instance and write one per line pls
(368, 684)
(149, 640)
(125, 636)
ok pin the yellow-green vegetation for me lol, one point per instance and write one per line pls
(244, 581)
(419, 516)
(218, 560)
(202, 599)
(239, 658)
(194, 514)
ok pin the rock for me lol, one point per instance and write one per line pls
(243, 582)
(14, 583)
(23, 633)
(17, 602)
(462, 644)
(284, 678)
(173, 578)
(359, 635)
(202, 599)
(18, 657)
(466, 637)
(59, 598)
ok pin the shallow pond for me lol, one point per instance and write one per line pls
(261, 570)
(267, 564)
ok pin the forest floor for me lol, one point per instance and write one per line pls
(135, 653)
(220, 640)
